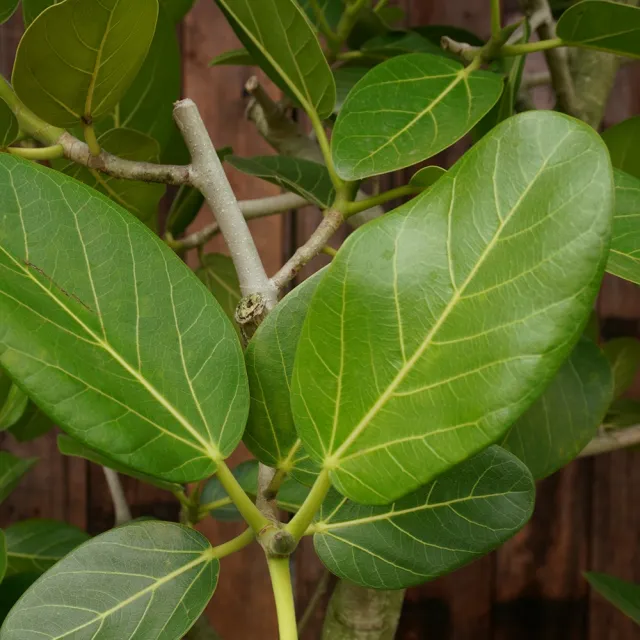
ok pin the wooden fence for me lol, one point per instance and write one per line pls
(587, 516)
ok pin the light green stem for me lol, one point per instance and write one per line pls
(310, 506)
(531, 47)
(400, 192)
(496, 17)
(283, 593)
(38, 153)
(91, 139)
(235, 544)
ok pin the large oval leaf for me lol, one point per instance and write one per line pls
(219, 275)
(280, 39)
(147, 580)
(459, 517)
(33, 546)
(9, 128)
(406, 110)
(111, 333)
(600, 24)
(436, 326)
(623, 142)
(563, 420)
(271, 433)
(78, 57)
(12, 469)
(624, 258)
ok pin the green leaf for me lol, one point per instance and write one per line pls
(623, 141)
(11, 589)
(111, 333)
(78, 57)
(33, 424)
(332, 10)
(420, 347)
(346, 77)
(12, 469)
(621, 594)
(624, 357)
(271, 432)
(406, 110)
(564, 419)
(9, 127)
(592, 330)
(427, 176)
(235, 57)
(33, 546)
(140, 198)
(396, 43)
(308, 179)
(463, 515)
(623, 413)
(177, 9)
(31, 9)
(71, 447)
(3, 555)
(184, 209)
(219, 276)
(391, 15)
(13, 408)
(287, 51)
(624, 257)
(7, 9)
(599, 24)
(215, 498)
(148, 580)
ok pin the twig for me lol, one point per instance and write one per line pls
(207, 175)
(611, 440)
(120, 505)
(314, 601)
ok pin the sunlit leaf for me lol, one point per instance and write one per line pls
(87, 295)
(78, 57)
(623, 142)
(147, 580)
(13, 408)
(9, 128)
(621, 594)
(219, 275)
(406, 110)
(12, 469)
(420, 346)
(564, 419)
(235, 57)
(624, 357)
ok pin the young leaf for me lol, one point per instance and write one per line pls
(33, 546)
(435, 33)
(177, 9)
(235, 57)
(308, 179)
(412, 320)
(148, 580)
(271, 433)
(599, 24)
(71, 447)
(140, 198)
(9, 128)
(623, 142)
(13, 408)
(220, 277)
(621, 594)
(84, 70)
(12, 469)
(7, 9)
(427, 176)
(564, 419)
(624, 257)
(624, 357)
(463, 515)
(111, 333)
(288, 50)
(406, 110)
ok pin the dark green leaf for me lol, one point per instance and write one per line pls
(346, 77)
(148, 580)
(427, 176)
(308, 179)
(624, 357)
(9, 128)
(11, 589)
(177, 9)
(599, 24)
(71, 447)
(13, 408)
(31, 9)
(215, 498)
(33, 424)
(12, 469)
(406, 110)
(3, 556)
(621, 594)
(288, 50)
(463, 515)
(332, 10)
(592, 330)
(78, 58)
(624, 258)
(369, 24)
(396, 43)
(184, 209)
(622, 413)
(391, 15)
(7, 9)
(623, 141)
(220, 277)
(140, 198)
(33, 546)
(235, 57)
(111, 333)
(560, 424)
(423, 313)
(271, 433)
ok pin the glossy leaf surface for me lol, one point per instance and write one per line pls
(78, 57)
(219, 276)
(406, 110)
(598, 24)
(459, 517)
(564, 419)
(306, 178)
(146, 580)
(624, 357)
(620, 593)
(420, 346)
(623, 142)
(8, 125)
(288, 50)
(33, 546)
(12, 469)
(89, 293)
